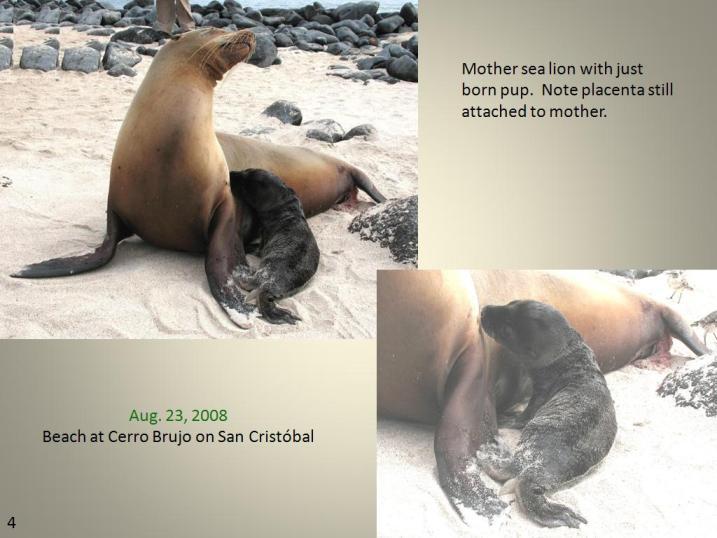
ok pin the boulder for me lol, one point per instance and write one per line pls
(393, 225)
(285, 111)
(121, 70)
(118, 55)
(101, 32)
(366, 130)
(265, 52)
(404, 68)
(694, 385)
(84, 59)
(356, 10)
(41, 57)
(140, 36)
(409, 13)
(389, 25)
(325, 130)
(5, 57)
(147, 51)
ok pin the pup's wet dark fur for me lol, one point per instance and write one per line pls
(569, 424)
(289, 253)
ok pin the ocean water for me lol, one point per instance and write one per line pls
(386, 5)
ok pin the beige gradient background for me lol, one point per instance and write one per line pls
(325, 489)
(637, 189)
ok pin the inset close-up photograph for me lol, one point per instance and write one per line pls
(531, 403)
(225, 171)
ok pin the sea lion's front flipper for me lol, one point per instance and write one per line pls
(74, 265)
(468, 421)
(225, 255)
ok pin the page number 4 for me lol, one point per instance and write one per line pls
(11, 522)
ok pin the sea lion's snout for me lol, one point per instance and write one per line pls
(238, 46)
(492, 319)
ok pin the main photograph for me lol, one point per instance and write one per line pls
(213, 170)
(514, 402)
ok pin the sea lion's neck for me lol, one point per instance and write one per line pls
(177, 97)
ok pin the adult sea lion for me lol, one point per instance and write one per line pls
(569, 424)
(435, 367)
(170, 170)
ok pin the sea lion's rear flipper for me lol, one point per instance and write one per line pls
(680, 328)
(467, 422)
(225, 255)
(273, 313)
(74, 265)
(362, 181)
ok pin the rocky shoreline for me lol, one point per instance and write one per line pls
(355, 32)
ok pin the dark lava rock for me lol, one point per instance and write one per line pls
(285, 111)
(147, 51)
(634, 274)
(88, 16)
(97, 45)
(359, 28)
(83, 59)
(111, 17)
(393, 225)
(5, 57)
(7, 42)
(141, 36)
(347, 34)
(365, 76)
(409, 13)
(52, 31)
(372, 62)
(404, 68)
(365, 130)
(396, 51)
(7, 14)
(265, 52)
(325, 130)
(118, 55)
(389, 25)
(412, 45)
(121, 70)
(7, 30)
(311, 47)
(42, 57)
(39, 26)
(52, 42)
(283, 40)
(244, 22)
(356, 10)
(694, 385)
(218, 23)
(101, 32)
(49, 15)
(338, 48)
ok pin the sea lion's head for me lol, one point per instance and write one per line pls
(263, 191)
(536, 332)
(212, 51)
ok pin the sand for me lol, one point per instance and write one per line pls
(658, 480)
(56, 141)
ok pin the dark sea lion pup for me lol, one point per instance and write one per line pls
(289, 253)
(570, 419)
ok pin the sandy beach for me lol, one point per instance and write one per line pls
(56, 142)
(658, 479)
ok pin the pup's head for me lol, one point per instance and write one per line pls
(261, 190)
(538, 333)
